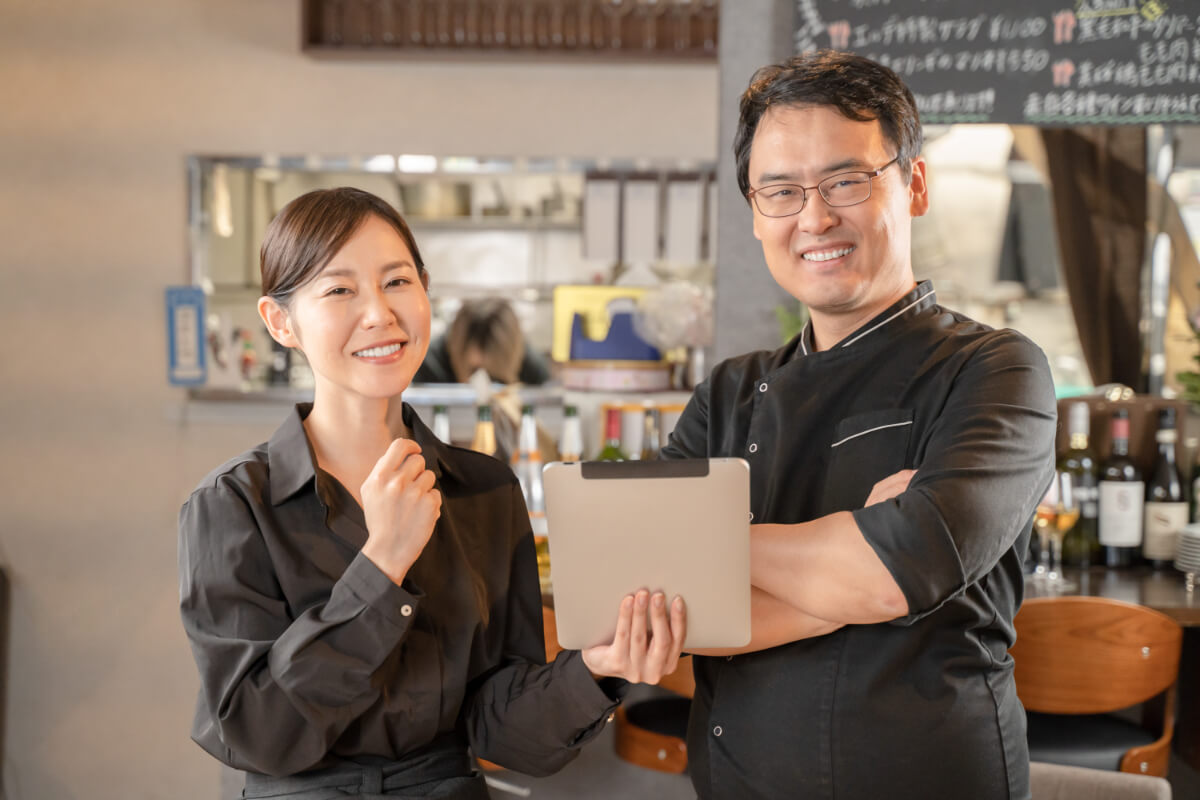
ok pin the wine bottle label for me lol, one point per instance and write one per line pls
(1121, 505)
(1163, 522)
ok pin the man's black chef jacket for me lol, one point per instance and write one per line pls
(310, 656)
(923, 706)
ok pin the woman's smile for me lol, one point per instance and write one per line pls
(383, 353)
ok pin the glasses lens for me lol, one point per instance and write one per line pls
(779, 200)
(846, 189)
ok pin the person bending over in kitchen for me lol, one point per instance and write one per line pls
(485, 334)
(361, 599)
(883, 600)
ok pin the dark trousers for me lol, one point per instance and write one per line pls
(433, 776)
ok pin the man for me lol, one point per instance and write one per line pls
(883, 597)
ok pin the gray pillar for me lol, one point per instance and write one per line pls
(754, 33)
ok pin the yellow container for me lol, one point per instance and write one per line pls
(593, 302)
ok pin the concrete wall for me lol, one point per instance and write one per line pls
(754, 33)
(100, 102)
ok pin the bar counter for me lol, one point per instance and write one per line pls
(1164, 591)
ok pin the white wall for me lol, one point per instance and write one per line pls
(100, 102)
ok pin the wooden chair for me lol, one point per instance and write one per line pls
(652, 733)
(1079, 660)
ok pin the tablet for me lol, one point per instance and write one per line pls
(681, 527)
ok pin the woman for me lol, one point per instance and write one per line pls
(361, 599)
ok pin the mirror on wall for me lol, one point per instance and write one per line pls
(513, 228)
(518, 227)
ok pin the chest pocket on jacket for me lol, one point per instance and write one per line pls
(866, 449)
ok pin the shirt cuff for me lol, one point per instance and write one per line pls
(594, 700)
(396, 604)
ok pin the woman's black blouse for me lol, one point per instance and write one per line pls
(311, 657)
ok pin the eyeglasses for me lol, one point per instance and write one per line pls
(843, 189)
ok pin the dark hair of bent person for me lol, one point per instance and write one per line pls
(490, 326)
(309, 231)
(858, 87)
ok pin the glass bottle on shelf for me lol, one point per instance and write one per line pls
(484, 440)
(570, 446)
(441, 423)
(1081, 545)
(1193, 447)
(1166, 505)
(1122, 494)
(651, 434)
(527, 463)
(612, 436)
(280, 368)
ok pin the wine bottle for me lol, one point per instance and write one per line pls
(1122, 496)
(612, 437)
(1081, 544)
(651, 436)
(1166, 505)
(527, 462)
(279, 371)
(441, 423)
(1193, 447)
(570, 446)
(484, 440)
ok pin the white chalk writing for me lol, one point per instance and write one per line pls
(1168, 26)
(999, 61)
(1130, 73)
(1104, 106)
(954, 103)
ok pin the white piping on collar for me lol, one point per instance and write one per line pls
(886, 321)
(803, 333)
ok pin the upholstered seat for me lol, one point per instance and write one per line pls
(1056, 782)
(1096, 741)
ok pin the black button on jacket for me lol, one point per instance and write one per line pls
(310, 657)
(924, 706)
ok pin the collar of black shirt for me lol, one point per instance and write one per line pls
(919, 299)
(293, 464)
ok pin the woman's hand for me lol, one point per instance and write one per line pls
(891, 486)
(401, 507)
(636, 654)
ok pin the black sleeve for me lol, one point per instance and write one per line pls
(276, 693)
(525, 714)
(534, 370)
(987, 462)
(436, 367)
(690, 438)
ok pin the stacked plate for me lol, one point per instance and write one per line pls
(1187, 553)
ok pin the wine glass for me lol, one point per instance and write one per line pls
(1056, 514)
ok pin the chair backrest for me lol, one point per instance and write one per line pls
(1090, 655)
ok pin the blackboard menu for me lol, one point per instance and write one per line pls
(1041, 62)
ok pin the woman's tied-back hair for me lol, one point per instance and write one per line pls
(310, 230)
(859, 88)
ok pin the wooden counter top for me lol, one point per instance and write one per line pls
(1162, 590)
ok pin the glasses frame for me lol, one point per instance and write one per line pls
(804, 190)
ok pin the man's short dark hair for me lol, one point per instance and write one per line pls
(859, 88)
